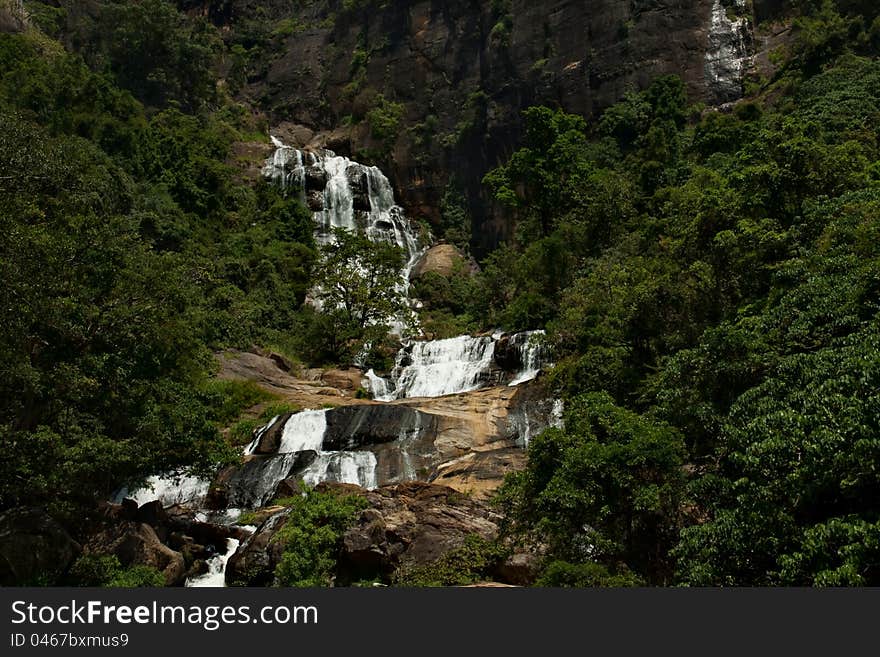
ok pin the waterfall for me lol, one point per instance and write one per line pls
(216, 575)
(532, 355)
(303, 432)
(728, 52)
(342, 467)
(455, 365)
(378, 386)
(169, 489)
(556, 419)
(351, 196)
(442, 367)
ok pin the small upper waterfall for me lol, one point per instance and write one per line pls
(461, 364)
(345, 194)
(728, 54)
(441, 367)
(533, 355)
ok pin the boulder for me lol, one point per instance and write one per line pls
(412, 523)
(136, 543)
(254, 563)
(521, 569)
(442, 259)
(34, 548)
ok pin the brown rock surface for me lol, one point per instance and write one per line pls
(412, 523)
(442, 259)
(137, 544)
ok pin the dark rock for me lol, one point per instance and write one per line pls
(254, 563)
(281, 361)
(351, 427)
(316, 180)
(138, 544)
(254, 483)
(34, 548)
(521, 569)
(270, 439)
(508, 355)
(129, 508)
(152, 513)
(410, 523)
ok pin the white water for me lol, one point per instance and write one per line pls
(455, 365)
(169, 489)
(556, 419)
(383, 222)
(405, 439)
(303, 431)
(441, 367)
(259, 434)
(727, 54)
(216, 575)
(342, 467)
(377, 386)
(533, 355)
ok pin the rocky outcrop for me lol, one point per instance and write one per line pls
(413, 523)
(480, 474)
(462, 72)
(34, 548)
(442, 259)
(254, 563)
(309, 391)
(138, 544)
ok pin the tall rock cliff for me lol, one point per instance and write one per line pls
(433, 90)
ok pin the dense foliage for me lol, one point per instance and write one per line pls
(311, 536)
(709, 281)
(132, 247)
(710, 284)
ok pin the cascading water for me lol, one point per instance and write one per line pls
(352, 196)
(342, 467)
(169, 489)
(216, 575)
(533, 355)
(441, 367)
(455, 365)
(302, 433)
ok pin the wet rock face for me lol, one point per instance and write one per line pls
(436, 58)
(728, 51)
(351, 427)
(254, 563)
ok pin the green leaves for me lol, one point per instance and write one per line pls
(608, 488)
(311, 534)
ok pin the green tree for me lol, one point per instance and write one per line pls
(359, 287)
(311, 537)
(608, 488)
